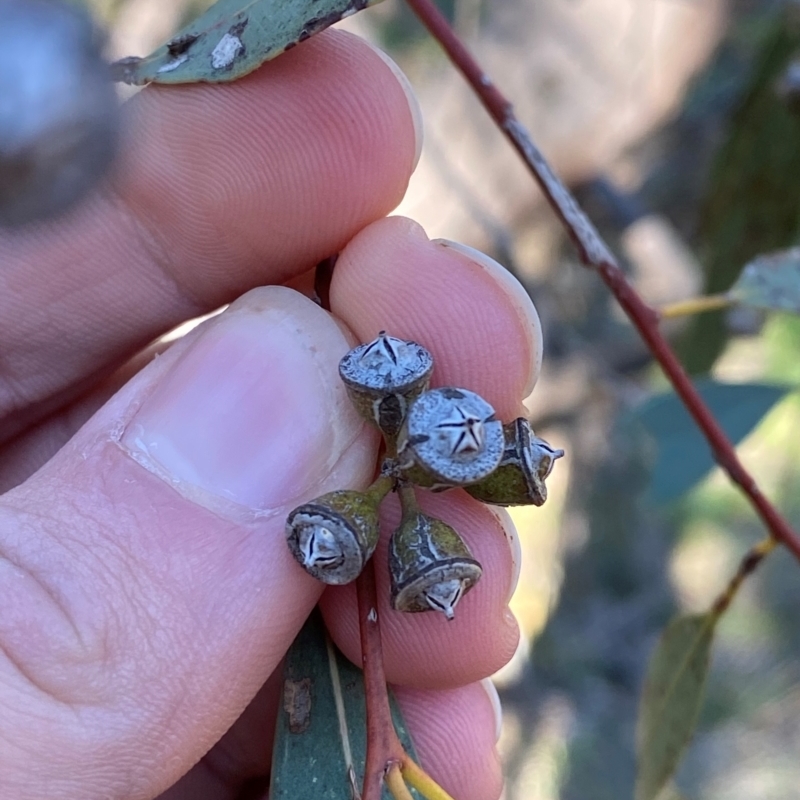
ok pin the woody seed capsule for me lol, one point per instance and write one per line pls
(520, 477)
(450, 438)
(431, 567)
(384, 376)
(334, 536)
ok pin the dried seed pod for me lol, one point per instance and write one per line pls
(431, 567)
(384, 376)
(520, 478)
(450, 438)
(335, 535)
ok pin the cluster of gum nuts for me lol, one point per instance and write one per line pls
(436, 439)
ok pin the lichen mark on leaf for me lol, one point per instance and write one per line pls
(230, 47)
(297, 704)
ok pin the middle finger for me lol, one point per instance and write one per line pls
(484, 334)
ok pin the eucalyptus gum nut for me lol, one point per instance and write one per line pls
(430, 566)
(334, 536)
(383, 378)
(520, 478)
(449, 438)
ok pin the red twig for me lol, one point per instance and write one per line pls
(594, 253)
(383, 746)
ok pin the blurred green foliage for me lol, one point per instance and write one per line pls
(682, 455)
(753, 201)
(729, 178)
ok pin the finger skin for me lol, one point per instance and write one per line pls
(219, 188)
(454, 733)
(139, 618)
(202, 552)
(443, 654)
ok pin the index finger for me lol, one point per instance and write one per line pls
(218, 189)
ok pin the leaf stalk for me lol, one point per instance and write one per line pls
(749, 563)
(695, 305)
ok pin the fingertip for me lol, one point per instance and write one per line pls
(519, 299)
(413, 102)
(482, 333)
(454, 733)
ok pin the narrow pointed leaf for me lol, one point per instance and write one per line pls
(671, 792)
(683, 456)
(771, 282)
(671, 700)
(233, 37)
(321, 729)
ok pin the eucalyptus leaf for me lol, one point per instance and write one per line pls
(670, 792)
(321, 739)
(671, 701)
(770, 281)
(683, 456)
(233, 37)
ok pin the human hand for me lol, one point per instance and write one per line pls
(146, 589)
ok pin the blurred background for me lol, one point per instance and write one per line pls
(677, 123)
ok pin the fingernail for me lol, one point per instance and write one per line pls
(494, 699)
(512, 538)
(253, 413)
(413, 102)
(519, 297)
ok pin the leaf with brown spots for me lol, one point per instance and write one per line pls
(321, 736)
(234, 37)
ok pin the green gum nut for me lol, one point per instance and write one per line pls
(450, 438)
(383, 377)
(334, 536)
(431, 567)
(520, 477)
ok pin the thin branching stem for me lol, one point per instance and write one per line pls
(385, 752)
(384, 749)
(383, 746)
(594, 253)
(695, 305)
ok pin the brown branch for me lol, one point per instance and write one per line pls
(383, 746)
(594, 253)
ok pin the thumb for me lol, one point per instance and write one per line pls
(146, 587)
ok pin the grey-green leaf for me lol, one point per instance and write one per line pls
(671, 700)
(771, 282)
(321, 729)
(233, 37)
(670, 792)
(683, 456)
